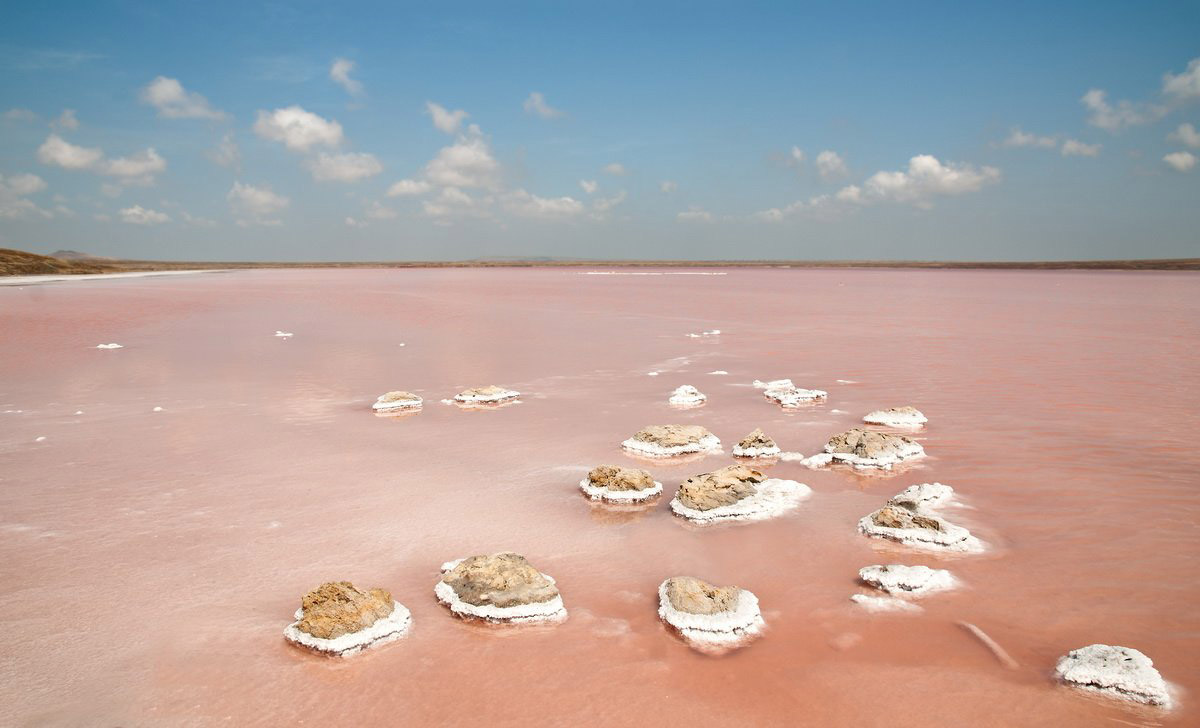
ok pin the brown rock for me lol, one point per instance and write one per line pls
(398, 396)
(501, 580)
(694, 596)
(614, 477)
(897, 517)
(490, 390)
(672, 435)
(337, 608)
(719, 488)
(867, 443)
(758, 439)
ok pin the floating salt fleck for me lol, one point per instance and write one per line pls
(883, 604)
(718, 371)
(846, 381)
(283, 334)
(78, 412)
(652, 374)
(40, 439)
(158, 409)
(109, 346)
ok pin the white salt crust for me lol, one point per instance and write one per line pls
(901, 580)
(911, 451)
(718, 371)
(1118, 672)
(401, 404)
(502, 396)
(720, 630)
(709, 443)
(883, 604)
(794, 396)
(713, 332)
(756, 452)
(388, 629)
(773, 384)
(924, 499)
(687, 396)
(620, 496)
(550, 611)
(109, 346)
(773, 497)
(924, 496)
(895, 419)
(283, 334)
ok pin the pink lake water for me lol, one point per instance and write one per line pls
(151, 559)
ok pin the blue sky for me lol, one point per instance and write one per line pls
(610, 130)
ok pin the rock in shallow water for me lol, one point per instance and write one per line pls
(910, 518)
(619, 485)
(709, 618)
(868, 449)
(906, 416)
(735, 492)
(502, 587)
(338, 618)
(668, 440)
(898, 579)
(756, 445)
(397, 400)
(1119, 672)
(490, 394)
(687, 396)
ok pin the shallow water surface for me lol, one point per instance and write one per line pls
(151, 559)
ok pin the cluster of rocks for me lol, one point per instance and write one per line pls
(907, 416)
(687, 396)
(339, 619)
(502, 587)
(615, 484)
(756, 445)
(912, 517)
(397, 401)
(671, 440)
(709, 618)
(735, 492)
(786, 394)
(867, 449)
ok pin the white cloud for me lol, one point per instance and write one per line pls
(525, 204)
(466, 163)
(58, 151)
(380, 212)
(830, 165)
(138, 168)
(453, 202)
(174, 102)
(1124, 114)
(927, 178)
(348, 167)
(227, 153)
(668, 186)
(409, 188)
(851, 194)
(196, 220)
(447, 122)
(1186, 135)
(298, 129)
(1181, 161)
(1018, 138)
(602, 205)
(256, 204)
(14, 191)
(536, 104)
(1075, 148)
(695, 214)
(66, 120)
(1186, 85)
(795, 157)
(340, 73)
(616, 169)
(19, 115)
(589, 186)
(138, 215)
(351, 222)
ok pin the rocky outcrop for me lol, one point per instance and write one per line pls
(490, 394)
(668, 440)
(735, 492)
(900, 580)
(709, 618)
(1118, 672)
(906, 416)
(397, 400)
(615, 484)
(339, 619)
(756, 445)
(788, 395)
(910, 517)
(687, 396)
(868, 449)
(502, 587)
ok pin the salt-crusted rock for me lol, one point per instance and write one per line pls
(615, 484)
(687, 396)
(906, 416)
(339, 619)
(709, 618)
(756, 445)
(503, 587)
(1119, 672)
(736, 492)
(867, 449)
(397, 400)
(910, 518)
(789, 395)
(490, 394)
(667, 440)
(897, 579)
(873, 603)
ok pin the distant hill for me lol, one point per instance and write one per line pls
(76, 255)
(20, 263)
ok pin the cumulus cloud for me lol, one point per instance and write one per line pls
(138, 168)
(351, 222)
(66, 120)
(831, 166)
(1181, 161)
(927, 178)
(409, 188)
(602, 205)
(589, 186)
(1186, 135)
(58, 151)
(453, 202)
(18, 115)
(297, 129)
(348, 167)
(340, 73)
(447, 122)
(525, 204)
(668, 186)
(138, 215)
(196, 220)
(227, 153)
(14, 192)
(257, 205)
(173, 101)
(1124, 114)
(380, 212)
(795, 157)
(536, 104)
(616, 169)
(1019, 138)
(1186, 85)
(1076, 148)
(466, 163)
(695, 213)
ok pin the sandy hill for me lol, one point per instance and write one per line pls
(20, 263)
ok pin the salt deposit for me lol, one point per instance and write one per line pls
(397, 400)
(896, 417)
(900, 580)
(669, 440)
(709, 618)
(283, 334)
(1118, 672)
(109, 346)
(736, 493)
(616, 484)
(911, 518)
(868, 449)
(687, 396)
(339, 619)
(873, 603)
(503, 587)
(793, 396)
(490, 394)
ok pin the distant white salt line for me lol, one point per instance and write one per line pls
(109, 346)
(651, 273)
(57, 278)
(718, 371)
(284, 334)
(847, 381)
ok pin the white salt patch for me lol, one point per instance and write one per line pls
(109, 346)
(40, 439)
(718, 371)
(895, 419)
(687, 396)
(818, 460)
(400, 404)
(773, 384)
(773, 498)
(846, 381)
(884, 604)
(388, 629)
(550, 611)
(652, 374)
(792, 457)
(620, 496)
(708, 443)
(474, 398)
(158, 409)
(924, 496)
(792, 396)
(900, 580)
(447, 401)
(78, 412)
(720, 630)
(1118, 672)
(837, 411)
(401, 344)
(755, 452)
(702, 334)
(283, 334)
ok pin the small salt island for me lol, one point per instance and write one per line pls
(709, 618)
(787, 395)
(397, 401)
(502, 588)
(736, 493)
(669, 440)
(488, 395)
(615, 484)
(901, 583)
(756, 445)
(906, 416)
(912, 517)
(339, 619)
(867, 449)
(1115, 672)
(687, 396)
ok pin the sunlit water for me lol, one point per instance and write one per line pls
(150, 559)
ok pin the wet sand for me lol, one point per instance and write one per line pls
(152, 559)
